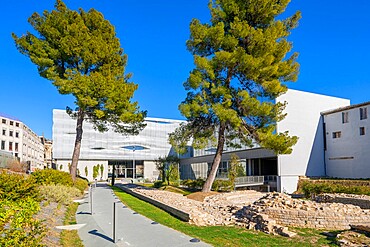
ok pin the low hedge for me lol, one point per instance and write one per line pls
(314, 187)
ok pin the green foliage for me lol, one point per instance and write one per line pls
(169, 169)
(158, 184)
(222, 185)
(96, 171)
(17, 225)
(235, 170)
(79, 52)
(81, 184)
(101, 170)
(70, 238)
(59, 193)
(61, 167)
(86, 171)
(15, 187)
(50, 176)
(241, 66)
(315, 187)
(193, 184)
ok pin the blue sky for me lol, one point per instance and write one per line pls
(333, 40)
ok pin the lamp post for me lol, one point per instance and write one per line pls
(133, 160)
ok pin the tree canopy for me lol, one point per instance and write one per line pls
(79, 52)
(241, 65)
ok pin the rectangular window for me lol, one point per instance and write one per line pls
(16, 147)
(4, 132)
(344, 117)
(2, 145)
(363, 113)
(10, 146)
(337, 134)
(362, 131)
(10, 132)
(16, 124)
(4, 121)
(11, 122)
(17, 134)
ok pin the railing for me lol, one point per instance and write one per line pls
(249, 180)
(270, 178)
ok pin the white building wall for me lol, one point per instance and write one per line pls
(348, 156)
(63, 165)
(304, 120)
(150, 170)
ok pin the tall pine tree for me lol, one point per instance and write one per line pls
(80, 53)
(241, 66)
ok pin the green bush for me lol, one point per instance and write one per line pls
(16, 187)
(59, 193)
(81, 184)
(193, 184)
(222, 185)
(18, 227)
(158, 184)
(315, 187)
(50, 176)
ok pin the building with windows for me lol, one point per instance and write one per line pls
(347, 141)
(132, 156)
(281, 172)
(21, 142)
(332, 142)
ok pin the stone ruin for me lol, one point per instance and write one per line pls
(271, 213)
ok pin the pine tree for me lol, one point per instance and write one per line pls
(241, 66)
(79, 52)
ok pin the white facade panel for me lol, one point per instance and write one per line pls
(304, 120)
(347, 152)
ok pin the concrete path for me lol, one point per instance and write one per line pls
(132, 229)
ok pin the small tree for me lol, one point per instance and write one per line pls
(160, 164)
(95, 171)
(101, 170)
(79, 52)
(169, 168)
(61, 167)
(86, 171)
(235, 169)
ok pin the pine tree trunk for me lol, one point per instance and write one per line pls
(216, 160)
(77, 148)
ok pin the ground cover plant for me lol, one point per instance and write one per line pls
(318, 186)
(70, 238)
(223, 235)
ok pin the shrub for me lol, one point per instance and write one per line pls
(59, 193)
(158, 184)
(193, 184)
(16, 187)
(81, 184)
(50, 176)
(315, 187)
(17, 225)
(222, 185)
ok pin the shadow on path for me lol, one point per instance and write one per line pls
(96, 233)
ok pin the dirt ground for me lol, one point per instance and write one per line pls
(199, 196)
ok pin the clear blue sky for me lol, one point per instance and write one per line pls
(333, 40)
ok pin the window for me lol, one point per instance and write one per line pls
(10, 146)
(363, 113)
(17, 134)
(16, 147)
(362, 131)
(16, 124)
(4, 132)
(4, 121)
(344, 117)
(337, 134)
(2, 145)
(10, 132)
(11, 122)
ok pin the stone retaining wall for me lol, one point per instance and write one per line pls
(357, 200)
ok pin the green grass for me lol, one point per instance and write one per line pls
(222, 235)
(70, 238)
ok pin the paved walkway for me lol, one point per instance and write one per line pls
(132, 229)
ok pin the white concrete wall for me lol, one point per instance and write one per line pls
(304, 120)
(150, 170)
(348, 156)
(85, 163)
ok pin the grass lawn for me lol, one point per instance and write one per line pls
(223, 235)
(70, 238)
